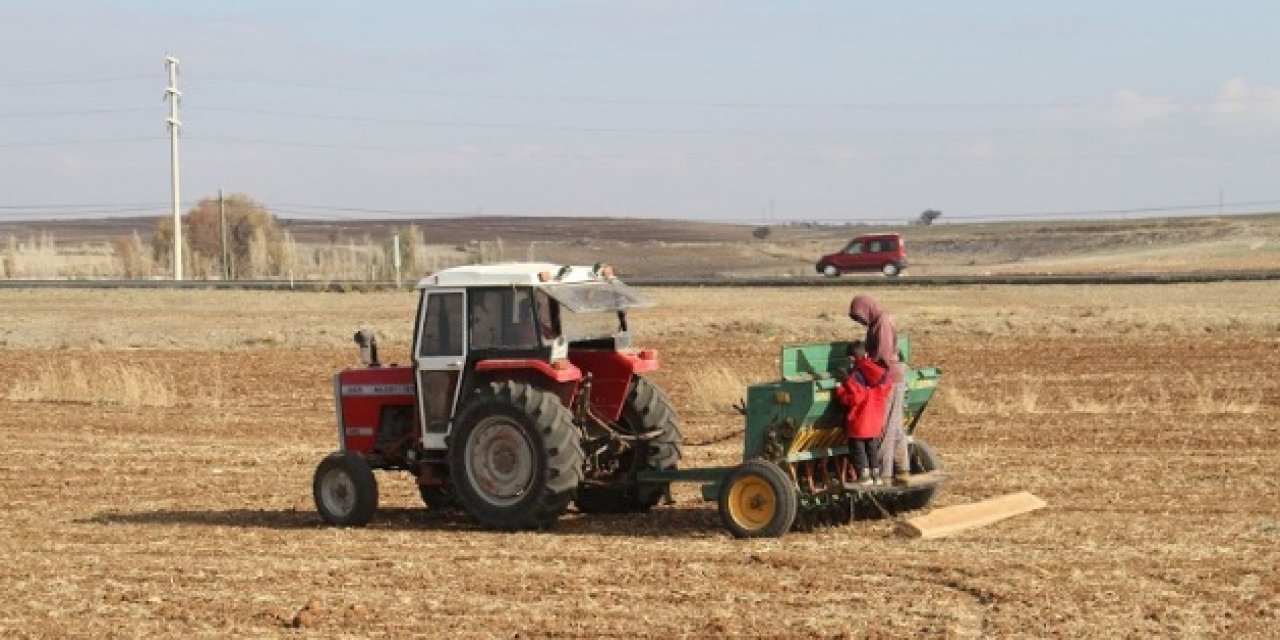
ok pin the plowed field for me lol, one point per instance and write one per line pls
(158, 450)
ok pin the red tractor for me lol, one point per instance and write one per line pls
(524, 395)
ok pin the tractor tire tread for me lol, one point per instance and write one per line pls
(555, 436)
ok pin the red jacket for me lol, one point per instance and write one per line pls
(866, 402)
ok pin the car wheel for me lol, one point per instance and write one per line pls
(830, 271)
(890, 269)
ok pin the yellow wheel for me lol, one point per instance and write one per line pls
(757, 500)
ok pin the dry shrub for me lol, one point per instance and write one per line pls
(35, 258)
(1216, 395)
(714, 388)
(96, 382)
(1190, 394)
(134, 259)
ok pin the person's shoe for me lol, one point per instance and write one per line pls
(865, 481)
(884, 480)
(901, 478)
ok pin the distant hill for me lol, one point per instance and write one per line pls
(674, 247)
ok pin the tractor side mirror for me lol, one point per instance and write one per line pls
(368, 348)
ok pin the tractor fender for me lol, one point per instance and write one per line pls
(562, 371)
(562, 378)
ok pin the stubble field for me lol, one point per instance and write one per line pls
(158, 451)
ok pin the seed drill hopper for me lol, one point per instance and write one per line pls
(794, 444)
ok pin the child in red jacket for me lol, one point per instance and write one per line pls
(864, 392)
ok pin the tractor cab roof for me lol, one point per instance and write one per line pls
(580, 288)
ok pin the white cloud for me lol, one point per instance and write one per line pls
(1125, 109)
(1129, 109)
(1239, 103)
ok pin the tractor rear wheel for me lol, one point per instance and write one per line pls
(923, 460)
(345, 490)
(757, 500)
(647, 410)
(514, 457)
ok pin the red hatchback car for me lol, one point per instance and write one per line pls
(883, 252)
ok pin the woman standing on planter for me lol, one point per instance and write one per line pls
(882, 346)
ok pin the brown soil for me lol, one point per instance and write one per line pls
(1146, 417)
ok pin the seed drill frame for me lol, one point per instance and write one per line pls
(793, 443)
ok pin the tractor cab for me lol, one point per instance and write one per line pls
(535, 323)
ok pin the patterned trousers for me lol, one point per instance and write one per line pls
(893, 448)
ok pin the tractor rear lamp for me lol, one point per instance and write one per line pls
(781, 397)
(560, 365)
(648, 354)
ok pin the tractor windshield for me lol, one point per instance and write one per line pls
(602, 295)
(597, 308)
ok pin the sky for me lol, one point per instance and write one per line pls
(745, 111)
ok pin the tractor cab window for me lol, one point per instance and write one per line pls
(442, 326)
(854, 247)
(504, 319)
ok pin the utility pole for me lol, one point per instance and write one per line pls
(172, 95)
(395, 246)
(222, 217)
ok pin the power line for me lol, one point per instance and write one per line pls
(77, 112)
(319, 210)
(80, 213)
(67, 207)
(64, 143)
(713, 104)
(734, 158)
(75, 81)
(699, 131)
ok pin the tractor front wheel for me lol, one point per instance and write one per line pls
(757, 500)
(345, 490)
(514, 457)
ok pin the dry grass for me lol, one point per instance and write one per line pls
(714, 388)
(1157, 394)
(991, 400)
(95, 382)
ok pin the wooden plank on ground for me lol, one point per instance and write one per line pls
(951, 520)
(926, 479)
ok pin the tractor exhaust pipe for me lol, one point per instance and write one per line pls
(368, 348)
